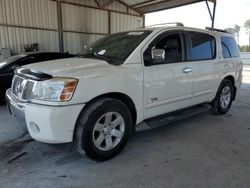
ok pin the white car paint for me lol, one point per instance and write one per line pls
(154, 90)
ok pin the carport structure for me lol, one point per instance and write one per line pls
(66, 25)
(148, 6)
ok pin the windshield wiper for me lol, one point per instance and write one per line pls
(97, 56)
(109, 59)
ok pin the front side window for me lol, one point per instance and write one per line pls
(172, 46)
(202, 46)
(229, 47)
(115, 48)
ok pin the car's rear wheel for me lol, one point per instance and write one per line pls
(224, 97)
(103, 129)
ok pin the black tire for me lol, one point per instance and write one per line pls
(84, 135)
(216, 106)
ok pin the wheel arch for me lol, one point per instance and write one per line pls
(232, 79)
(121, 97)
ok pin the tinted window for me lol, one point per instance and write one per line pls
(172, 46)
(229, 47)
(203, 46)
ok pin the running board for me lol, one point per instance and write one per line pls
(172, 117)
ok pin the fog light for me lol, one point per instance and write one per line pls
(34, 127)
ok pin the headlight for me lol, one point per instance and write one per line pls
(55, 89)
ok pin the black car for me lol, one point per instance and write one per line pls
(7, 67)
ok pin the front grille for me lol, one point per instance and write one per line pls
(17, 85)
(22, 88)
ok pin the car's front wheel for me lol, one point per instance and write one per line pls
(224, 98)
(103, 129)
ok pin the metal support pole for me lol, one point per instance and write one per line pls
(209, 11)
(109, 22)
(212, 16)
(214, 11)
(60, 25)
(144, 20)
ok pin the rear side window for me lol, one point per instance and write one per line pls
(229, 47)
(202, 46)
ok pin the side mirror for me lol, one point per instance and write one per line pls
(158, 55)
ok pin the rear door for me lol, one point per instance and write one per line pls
(167, 85)
(205, 65)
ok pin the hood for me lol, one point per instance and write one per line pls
(70, 67)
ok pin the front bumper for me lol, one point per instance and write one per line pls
(48, 124)
(16, 110)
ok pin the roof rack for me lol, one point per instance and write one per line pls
(170, 23)
(218, 30)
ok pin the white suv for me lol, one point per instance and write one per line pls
(119, 81)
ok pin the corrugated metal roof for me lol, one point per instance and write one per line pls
(146, 6)
(157, 5)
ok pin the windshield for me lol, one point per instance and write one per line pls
(115, 48)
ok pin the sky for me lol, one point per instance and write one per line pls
(228, 13)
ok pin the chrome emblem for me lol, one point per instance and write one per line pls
(18, 86)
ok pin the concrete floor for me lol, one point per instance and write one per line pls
(198, 151)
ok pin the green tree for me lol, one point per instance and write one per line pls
(234, 30)
(245, 48)
(237, 32)
(247, 27)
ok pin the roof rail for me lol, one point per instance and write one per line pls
(170, 23)
(218, 30)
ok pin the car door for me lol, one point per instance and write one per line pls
(205, 65)
(167, 85)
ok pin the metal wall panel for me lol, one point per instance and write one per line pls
(76, 18)
(74, 42)
(40, 14)
(33, 13)
(35, 21)
(120, 22)
(15, 38)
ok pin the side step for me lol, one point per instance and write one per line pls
(172, 117)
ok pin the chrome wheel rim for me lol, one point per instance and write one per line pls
(108, 131)
(225, 97)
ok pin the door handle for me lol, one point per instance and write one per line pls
(187, 70)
